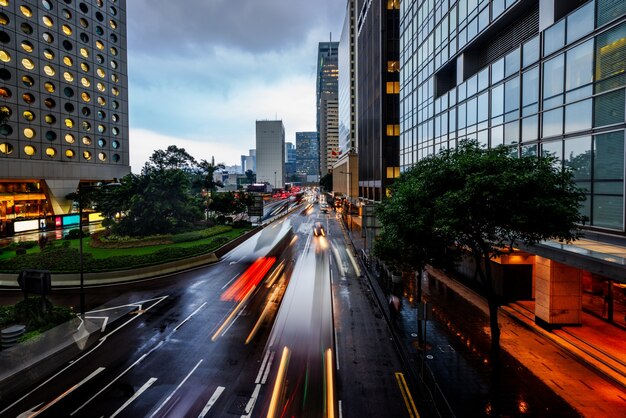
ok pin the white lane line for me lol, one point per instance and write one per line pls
(176, 389)
(340, 411)
(267, 369)
(212, 401)
(258, 376)
(105, 320)
(100, 342)
(189, 317)
(252, 401)
(230, 281)
(139, 360)
(136, 395)
(67, 392)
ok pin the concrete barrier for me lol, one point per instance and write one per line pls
(120, 276)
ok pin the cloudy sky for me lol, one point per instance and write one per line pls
(201, 72)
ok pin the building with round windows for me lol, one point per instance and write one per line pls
(63, 105)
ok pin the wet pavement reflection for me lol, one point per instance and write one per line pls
(457, 358)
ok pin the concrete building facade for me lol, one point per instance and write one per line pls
(270, 152)
(64, 89)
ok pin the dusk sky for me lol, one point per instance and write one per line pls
(202, 72)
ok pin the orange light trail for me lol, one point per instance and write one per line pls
(280, 377)
(249, 279)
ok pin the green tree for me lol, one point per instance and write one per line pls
(230, 203)
(483, 202)
(250, 176)
(206, 171)
(171, 158)
(326, 182)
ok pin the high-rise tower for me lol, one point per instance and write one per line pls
(327, 104)
(63, 84)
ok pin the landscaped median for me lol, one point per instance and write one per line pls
(107, 260)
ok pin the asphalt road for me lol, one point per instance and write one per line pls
(281, 326)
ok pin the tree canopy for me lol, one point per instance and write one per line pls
(326, 182)
(480, 201)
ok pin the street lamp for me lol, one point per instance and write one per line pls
(81, 188)
(275, 184)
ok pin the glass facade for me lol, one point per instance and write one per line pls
(484, 70)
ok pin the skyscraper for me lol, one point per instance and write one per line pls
(378, 97)
(270, 152)
(327, 101)
(307, 155)
(63, 84)
(345, 169)
(290, 159)
(542, 78)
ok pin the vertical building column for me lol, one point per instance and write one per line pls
(558, 293)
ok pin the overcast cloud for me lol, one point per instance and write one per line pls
(201, 72)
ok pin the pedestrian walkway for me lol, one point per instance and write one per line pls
(583, 365)
(583, 387)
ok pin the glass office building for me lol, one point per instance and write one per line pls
(541, 77)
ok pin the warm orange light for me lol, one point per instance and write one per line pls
(249, 279)
(280, 378)
(330, 388)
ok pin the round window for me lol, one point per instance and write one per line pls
(51, 136)
(5, 92)
(28, 115)
(51, 152)
(29, 150)
(69, 138)
(6, 148)
(29, 133)
(28, 98)
(69, 153)
(50, 103)
(5, 130)
(50, 119)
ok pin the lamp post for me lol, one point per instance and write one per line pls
(81, 188)
(275, 184)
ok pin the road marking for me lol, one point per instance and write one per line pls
(406, 394)
(340, 411)
(105, 320)
(252, 401)
(139, 360)
(176, 389)
(230, 281)
(211, 401)
(64, 394)
(136, 395)
(100, 342)
(267, 369)
(189, 317)
(263, 363)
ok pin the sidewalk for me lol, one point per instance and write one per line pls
(584, 365)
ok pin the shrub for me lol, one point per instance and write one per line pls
(74, 234)
(241, 223)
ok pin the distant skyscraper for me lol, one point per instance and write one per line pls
(307, 154)
(270, 152)
(290, 159)
(327, 101)
(63, 84)
(248, 162)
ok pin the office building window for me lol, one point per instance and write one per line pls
(393, 87)
(610, 64)
(609, 10)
